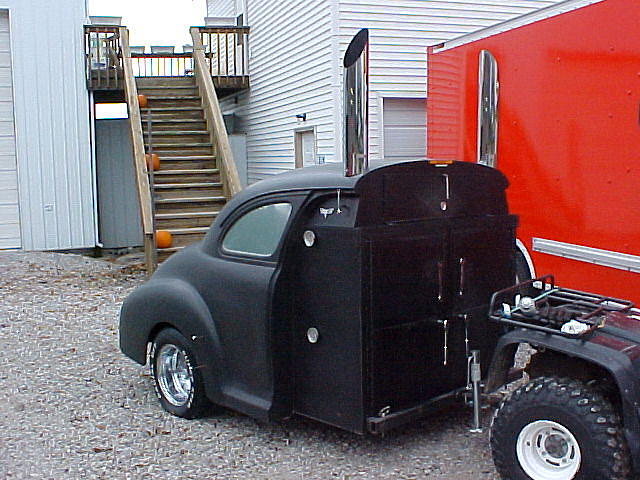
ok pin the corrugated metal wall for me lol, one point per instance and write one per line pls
(295, 57)
(52, 124)
(120, 224)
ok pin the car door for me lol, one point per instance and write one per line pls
(248, 257)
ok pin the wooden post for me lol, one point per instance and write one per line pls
(137, 141)
(215, 120)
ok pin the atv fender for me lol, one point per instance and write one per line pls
(616, 363)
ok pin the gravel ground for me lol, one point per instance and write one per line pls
(72, 406)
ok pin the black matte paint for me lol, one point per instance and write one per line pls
(370, 285)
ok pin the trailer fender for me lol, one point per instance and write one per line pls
(173, 303)
(520, 247)
(615, 363)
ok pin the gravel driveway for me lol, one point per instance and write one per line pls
(74, 407)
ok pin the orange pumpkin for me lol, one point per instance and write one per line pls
(153, 161)
(163, 239)
(142, 101)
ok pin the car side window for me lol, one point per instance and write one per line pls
(257, 233)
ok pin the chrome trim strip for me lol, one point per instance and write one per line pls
(606, 258)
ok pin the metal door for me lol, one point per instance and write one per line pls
(119, 217)
(327, 344)
(481, 263)
(308, 141)
(409, 362)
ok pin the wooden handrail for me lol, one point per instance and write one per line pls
(215, 120)
(137, 141)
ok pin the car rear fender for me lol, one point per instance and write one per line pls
(173, 303)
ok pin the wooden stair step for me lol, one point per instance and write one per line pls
(207, 199)
(175, 138)
(178, 158)
(189, 171)
(187, 231)
(188, 219)
(176, 120)
(183, 236)
(173, 216)
(157, 81)
(161, 133)
(171, 109)
(168, 87)
(174, 91)
(167, 186)
(180, 145)
(151, 98)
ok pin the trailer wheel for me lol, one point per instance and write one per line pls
(178, 383)
(558, 429)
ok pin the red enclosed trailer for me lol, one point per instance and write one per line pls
(552, 100)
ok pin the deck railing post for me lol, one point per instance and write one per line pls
(140, 164)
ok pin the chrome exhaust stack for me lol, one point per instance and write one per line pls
(356, 105)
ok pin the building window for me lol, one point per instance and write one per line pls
(487, 109)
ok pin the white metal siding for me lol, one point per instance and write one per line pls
(295, 64)
(400, 31)
(52, 124)
(223, 8)
(289, 66)
(9, 211)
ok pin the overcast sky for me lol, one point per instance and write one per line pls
(154, 22)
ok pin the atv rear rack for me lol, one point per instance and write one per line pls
(538, 304)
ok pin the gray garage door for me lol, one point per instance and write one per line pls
(9, 212)
(405, 128)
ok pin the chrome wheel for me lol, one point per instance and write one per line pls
(547, 450)
(174, 374)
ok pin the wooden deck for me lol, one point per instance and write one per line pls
(224, 50)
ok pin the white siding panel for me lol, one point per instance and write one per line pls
(6, 110)
(52, 124)
(296, 49)
(222, 8)
(401, 30)
(5, 77)
(290, 72)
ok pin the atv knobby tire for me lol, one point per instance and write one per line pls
(558, 428)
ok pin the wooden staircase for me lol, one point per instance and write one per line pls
(187, 192)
